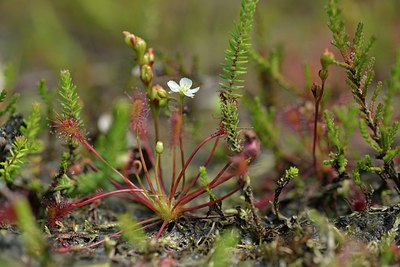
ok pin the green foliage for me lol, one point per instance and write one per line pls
(230, 123)
(393, 87)
(271, 65)
(132, 232)
(33, 240)
(236, 56)
(22, 146)
(264, 124)
(112, 144)
(88, 182)
(336, 25)
(31, 129)
(47, 97)
(375, 119)
(10, 106)
(224, 244)
(338, 159)
(346, 115)
(364, 165)
(113, 147)
(333, 131)
(290, 174)
(69, 98)
(388, 243)
(367, 137)
(204, 182)
(3, 95)
(65, 184)
(13, 164)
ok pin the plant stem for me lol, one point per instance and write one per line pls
(102, 195)
(193, 182)
(126, 180)
(202, 143)
(211, 202)
(173, 173)
(146, 172)
(316, 118)
(180, 140)
(159, 189)
(161, 229)
(215, 182)
(155, 110)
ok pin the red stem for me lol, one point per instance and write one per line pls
(211, 202)
(161, 229)
(202, 143)
(173, 174)
(145, 202)
(192, 195)
(184, 193)
(316, 117)
(182, 159)
(91, 149)
(144, 166)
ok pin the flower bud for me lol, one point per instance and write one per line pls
(148, 58)
(161, 93)
(159, 147)
(316, 90)
(146, 75)
(327, 58)
(140, 48)
(129, 39)
(323, 74)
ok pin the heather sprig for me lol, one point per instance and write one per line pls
(281, 183)
(10, 106)
(375, 118)
(23, 146)
(338, 158)
(339, 135)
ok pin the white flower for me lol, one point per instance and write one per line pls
(183, 88)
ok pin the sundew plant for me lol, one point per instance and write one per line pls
(296, 175)
(168, 195)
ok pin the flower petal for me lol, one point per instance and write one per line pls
(185, 83)
(174, 86)
(188, 94)
(194, 90)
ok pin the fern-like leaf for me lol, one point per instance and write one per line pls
(236, 56)
(69, 98)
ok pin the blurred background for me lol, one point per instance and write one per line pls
(39, 38)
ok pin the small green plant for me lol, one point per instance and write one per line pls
(236, 57)
(10, 106)
(281, 183)
(375, 121)
(225, 243)
(23, 146)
